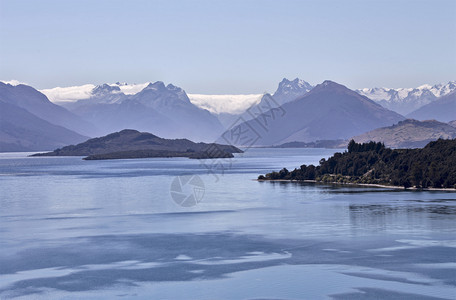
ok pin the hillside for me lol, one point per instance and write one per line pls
(134, 144)
(409, 134)
(442, 109)
(373, 163)
(38, 104)
(21, 130)
(330, 111)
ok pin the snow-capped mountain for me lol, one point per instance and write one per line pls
(406, 100)
(291, 90)
(162, 109)
(287, 90)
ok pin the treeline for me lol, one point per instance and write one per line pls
(373, 163)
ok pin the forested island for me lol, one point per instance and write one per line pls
(129, 143)
(433, 166)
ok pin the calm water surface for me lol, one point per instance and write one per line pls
(72, 229)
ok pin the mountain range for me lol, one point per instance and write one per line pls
(329, 111)
(406, 100)
(295, 112)
(401, 100)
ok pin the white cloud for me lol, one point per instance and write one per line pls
(75, 93)
(234, 104)
(69, 94)
(130, 89)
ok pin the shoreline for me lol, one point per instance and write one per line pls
(364, 185)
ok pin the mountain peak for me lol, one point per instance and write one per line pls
(172, 87)
(286, 85)
(291, 90)
(105, 89)
(157, 85)
(330, 85)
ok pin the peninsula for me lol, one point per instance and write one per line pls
(433, 166)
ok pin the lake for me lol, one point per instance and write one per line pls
(176, 228)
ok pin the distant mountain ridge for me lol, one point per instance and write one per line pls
(409, 134)
(406, 100)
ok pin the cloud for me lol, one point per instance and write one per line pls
(69, 94)
(233, 104)
(75, 93)
(130, 89)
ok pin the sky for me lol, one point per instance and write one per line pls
(228, 47)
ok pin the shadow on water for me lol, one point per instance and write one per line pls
(94, 262)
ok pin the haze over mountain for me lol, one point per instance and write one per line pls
(409, 134)
(442, 109)
(406, 100)
(329, 111)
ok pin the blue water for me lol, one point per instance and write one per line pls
(72, 229)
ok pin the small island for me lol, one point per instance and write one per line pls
(129, 143)
(433, 166)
